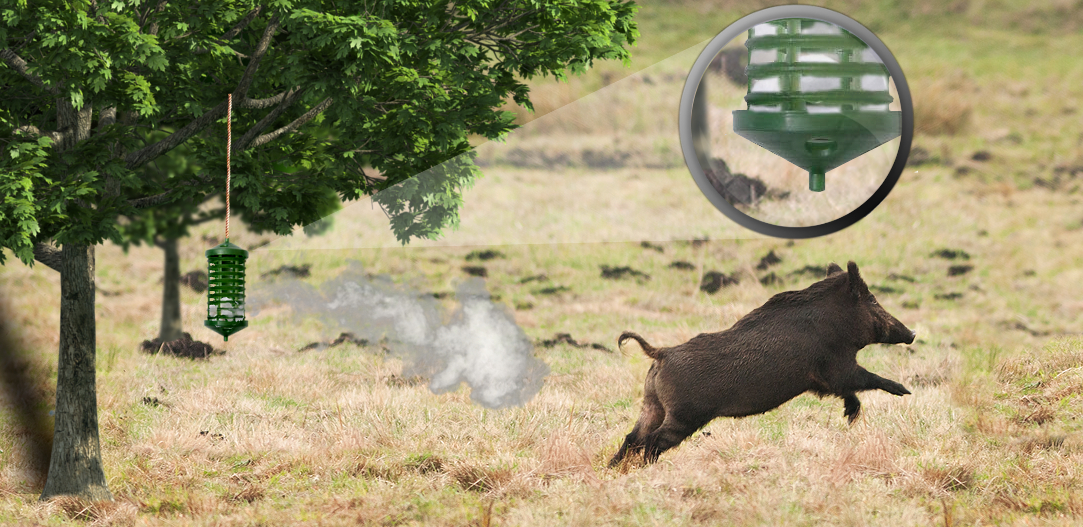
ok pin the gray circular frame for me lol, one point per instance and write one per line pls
(700, 68)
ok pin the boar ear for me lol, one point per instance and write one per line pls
(833, 269)
(857, 284)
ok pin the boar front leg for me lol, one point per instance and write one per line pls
(861, 379)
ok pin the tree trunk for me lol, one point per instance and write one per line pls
(171, 307)
(76, 464)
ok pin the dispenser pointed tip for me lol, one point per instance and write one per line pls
(817, 181)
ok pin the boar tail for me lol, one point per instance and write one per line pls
(651, 351)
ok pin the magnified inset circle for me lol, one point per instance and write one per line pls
(796, 121)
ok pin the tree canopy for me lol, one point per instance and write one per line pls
(401, 85)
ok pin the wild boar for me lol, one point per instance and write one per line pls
(799, 341)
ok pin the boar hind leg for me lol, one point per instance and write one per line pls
(649, 419)
(669, 435)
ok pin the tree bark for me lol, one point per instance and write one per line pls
(47, 255)
(75, 467)
(171, 308)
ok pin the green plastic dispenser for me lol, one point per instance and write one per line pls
(225, 292)
(817, 96)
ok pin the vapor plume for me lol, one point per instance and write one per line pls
(480, 344)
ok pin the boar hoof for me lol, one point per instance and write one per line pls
(895, 388)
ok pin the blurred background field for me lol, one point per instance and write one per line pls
(979, 249)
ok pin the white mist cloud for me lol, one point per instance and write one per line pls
(481, 345)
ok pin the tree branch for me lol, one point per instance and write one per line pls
(97, 14)
(241, 92)
(107, 117)
(19, 65)
(31, 129)
(265, 138)
(242, 24)
(260, 104)
(140, 157)
(156, 9)
(73, 124)
(153, 30)
(232, 33)
(157, 199)
(48, 255)
(253, 132)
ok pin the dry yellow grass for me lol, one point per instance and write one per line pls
(943, 104)
(335, 437)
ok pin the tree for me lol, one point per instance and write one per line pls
(164, 225)
(402, 83)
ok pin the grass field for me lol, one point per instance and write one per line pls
(265, 434)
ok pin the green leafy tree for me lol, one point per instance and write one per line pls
(402, 83)
(163, 226)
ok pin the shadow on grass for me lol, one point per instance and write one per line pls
(26, 404)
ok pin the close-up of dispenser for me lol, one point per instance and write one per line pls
(817, 96)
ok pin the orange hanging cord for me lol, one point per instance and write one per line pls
(229, 147)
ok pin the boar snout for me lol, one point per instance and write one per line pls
(899, 334)
(890, 329)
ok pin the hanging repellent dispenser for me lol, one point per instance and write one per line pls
(225, 291)
(817, 96)
(225, 269)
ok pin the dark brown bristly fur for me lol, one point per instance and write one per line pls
(797, 342)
